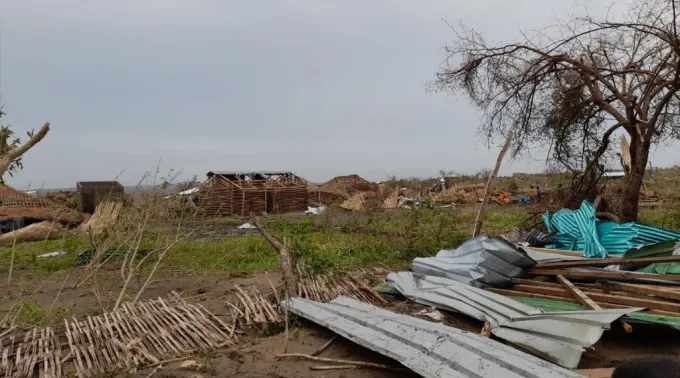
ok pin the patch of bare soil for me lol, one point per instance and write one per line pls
(257, 358)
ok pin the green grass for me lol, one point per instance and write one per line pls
(26, 255)
(30, 313)
(354, 241)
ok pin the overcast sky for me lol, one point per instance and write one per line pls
(319, 87)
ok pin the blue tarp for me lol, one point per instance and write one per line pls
(579, 230)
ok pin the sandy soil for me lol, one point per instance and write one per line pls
(255, 357)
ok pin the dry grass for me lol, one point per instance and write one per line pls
(105, 216)
(391, 201)
(354, 203)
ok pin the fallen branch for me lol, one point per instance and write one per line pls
(337, 361)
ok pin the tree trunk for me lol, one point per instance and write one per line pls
(639, 151)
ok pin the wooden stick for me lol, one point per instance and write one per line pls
(333, 367)
(577, 294)
(325, 346)
(154, 371)
(337, 361)
(606, 262)
(487, 193)
(486, 330)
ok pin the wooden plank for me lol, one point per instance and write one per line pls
(577, 294)
(606, 262)
(557, 251)
(661, 292)
(569, 299)
(599, 297)
(518, 293)
(600, 274)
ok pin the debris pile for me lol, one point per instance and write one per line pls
(463, 194)
(560, 336)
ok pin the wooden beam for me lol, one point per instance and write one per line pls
(661, 292)
(557, 251)
(517, 293)
(569, 299)
(600, 274)
(578, 294)
(487, 193)
(606, 262)
(608, 298)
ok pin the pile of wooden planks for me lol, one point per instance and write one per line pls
(604, 289)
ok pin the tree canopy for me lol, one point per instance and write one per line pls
(573, 86)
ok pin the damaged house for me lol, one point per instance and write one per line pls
(25, 217)
(242, 193)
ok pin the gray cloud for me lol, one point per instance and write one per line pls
(318, 87)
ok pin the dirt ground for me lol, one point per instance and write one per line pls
(255, 356)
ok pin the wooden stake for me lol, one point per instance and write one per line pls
(487, 193)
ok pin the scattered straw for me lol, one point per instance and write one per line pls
(34, 232)
(105, 216)
(355, 202)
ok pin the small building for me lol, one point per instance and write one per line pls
(243, 193)
(91, 193)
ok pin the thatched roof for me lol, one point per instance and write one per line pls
(347, 180)
(17, 204)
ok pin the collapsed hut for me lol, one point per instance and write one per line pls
(349, 184)
(19, 209)
(92, 193)
(243, 193)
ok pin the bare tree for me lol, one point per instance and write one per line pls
(572, 92)
(11, 149)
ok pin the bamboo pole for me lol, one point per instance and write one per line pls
(487, 193)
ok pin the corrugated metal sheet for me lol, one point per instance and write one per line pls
(478, 261)
(617, 239)
(559, 337)
(429, 349)
(545, 257)
(579, 230)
